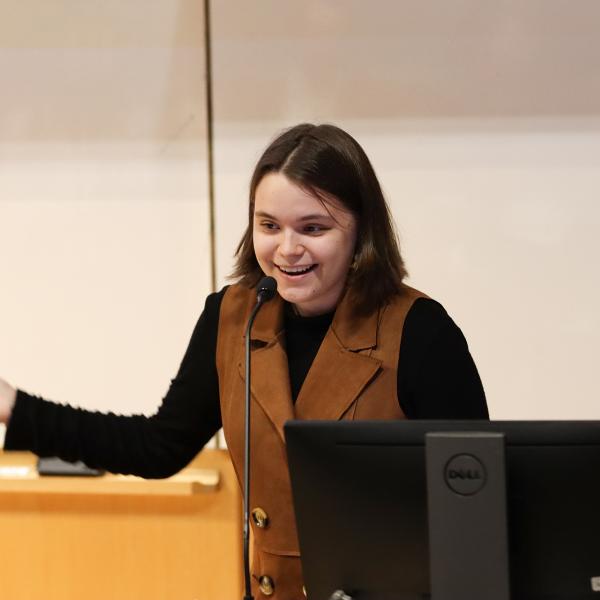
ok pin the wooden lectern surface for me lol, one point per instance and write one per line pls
(120, 538)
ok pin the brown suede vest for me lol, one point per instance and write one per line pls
(353, 376)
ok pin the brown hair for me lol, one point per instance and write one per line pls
(326, 161)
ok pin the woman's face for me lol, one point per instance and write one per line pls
(306, 246)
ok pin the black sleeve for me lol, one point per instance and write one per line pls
(437, 378)
(151, 447)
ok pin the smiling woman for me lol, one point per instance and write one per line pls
(344, 338)
(305, 243)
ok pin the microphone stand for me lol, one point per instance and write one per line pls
(266, 290)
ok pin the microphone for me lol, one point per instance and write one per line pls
(265, 291)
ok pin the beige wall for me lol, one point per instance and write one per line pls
(482, 120)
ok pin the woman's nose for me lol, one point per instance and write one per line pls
(290, 244)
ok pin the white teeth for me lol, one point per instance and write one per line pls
(295, 270)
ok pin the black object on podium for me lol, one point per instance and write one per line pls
(62, 468)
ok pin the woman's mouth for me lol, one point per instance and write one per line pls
(296, 271)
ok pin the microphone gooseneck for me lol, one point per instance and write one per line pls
(265, 291)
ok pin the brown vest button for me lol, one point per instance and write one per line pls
(266, 585)
(260, 517)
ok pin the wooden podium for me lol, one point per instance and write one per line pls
(120, 538)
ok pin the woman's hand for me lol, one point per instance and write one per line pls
(8, 395)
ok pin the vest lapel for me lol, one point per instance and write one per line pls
(270, 382)
(339, 372)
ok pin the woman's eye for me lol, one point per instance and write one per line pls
(268, 225)
(315, 229)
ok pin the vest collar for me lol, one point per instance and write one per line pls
(354, 332)
(269, 321)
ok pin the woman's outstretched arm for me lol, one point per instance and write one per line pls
(155, 446)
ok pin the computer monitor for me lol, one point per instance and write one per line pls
(360, 492)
